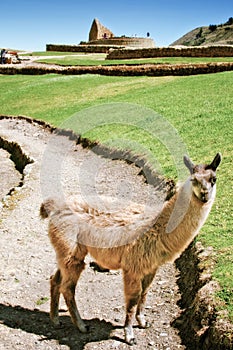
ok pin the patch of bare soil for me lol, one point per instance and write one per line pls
(28, 260)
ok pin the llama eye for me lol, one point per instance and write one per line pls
(213, 180)
(194, 181)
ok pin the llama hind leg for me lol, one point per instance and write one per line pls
(146, 282)
(132, 295)
(55, 282)
(70, 276)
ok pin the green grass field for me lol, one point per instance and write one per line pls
(99, 59)
(199, 107)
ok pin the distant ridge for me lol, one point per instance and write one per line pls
(221, 34)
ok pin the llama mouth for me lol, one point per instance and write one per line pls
(201, 199)
(204, 200)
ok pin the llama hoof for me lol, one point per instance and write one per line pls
(56, 322)
(84, 329)
(58, 325)
(147, 325)
(132, 341)
(88, 328)
(129, 336)
(142, 322)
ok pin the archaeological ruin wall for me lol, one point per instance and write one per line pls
(208, 51)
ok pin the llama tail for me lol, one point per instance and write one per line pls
(48, 206)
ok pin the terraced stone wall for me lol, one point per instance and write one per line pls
(126, 42)
(81, 48)
(104, 45)
(210, 51)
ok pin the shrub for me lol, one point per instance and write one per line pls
(212, 27)
(199, 34)
(229, 22)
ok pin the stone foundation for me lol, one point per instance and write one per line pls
(126, 42)
(104, 45)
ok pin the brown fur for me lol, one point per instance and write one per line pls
(153, 242)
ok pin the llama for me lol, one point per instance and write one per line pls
(179, 221)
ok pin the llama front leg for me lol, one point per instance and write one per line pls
(146, 282)
(132, 295)
(70, 276)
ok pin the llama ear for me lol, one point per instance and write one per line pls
(215, 163)
(189, 164)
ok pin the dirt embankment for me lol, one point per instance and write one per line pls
(207, 328)
(182, 318)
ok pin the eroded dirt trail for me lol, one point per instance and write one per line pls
(28, 260)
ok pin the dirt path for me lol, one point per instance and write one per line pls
(27, 258)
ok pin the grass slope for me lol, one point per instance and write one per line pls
(99, 59)
(221, 35)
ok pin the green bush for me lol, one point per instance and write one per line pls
(212, 27)
(229, 22)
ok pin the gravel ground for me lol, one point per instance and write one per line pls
(28, 260)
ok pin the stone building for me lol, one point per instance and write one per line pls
(98, 31)
(100, 35)
(101, 40)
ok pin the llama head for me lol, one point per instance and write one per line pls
(203, 177)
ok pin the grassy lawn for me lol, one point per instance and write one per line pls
(199, 107)
(75, 59)
(49, 53)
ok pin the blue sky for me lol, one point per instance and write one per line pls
(31, 24)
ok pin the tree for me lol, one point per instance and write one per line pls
(212, 27)
(229, 22)
(199, 34)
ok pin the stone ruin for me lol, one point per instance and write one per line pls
(98, 31)
(102, 39)
(100, 35)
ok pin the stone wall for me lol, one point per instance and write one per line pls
(82, 48)
(120, 70)
(98, 31)
(210, 51)
(104, 45)
(120, 52)
(127, 42)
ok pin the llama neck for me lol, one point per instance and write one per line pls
(182, 217)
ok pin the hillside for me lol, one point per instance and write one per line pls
(221, 34)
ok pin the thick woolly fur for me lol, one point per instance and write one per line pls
(135, 240)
